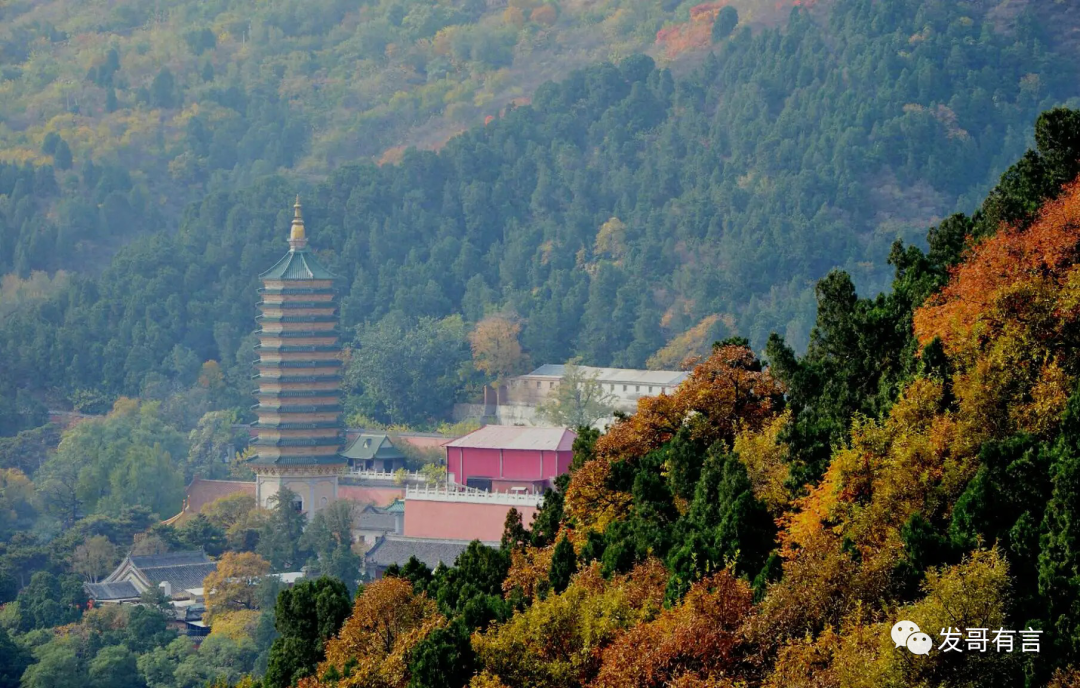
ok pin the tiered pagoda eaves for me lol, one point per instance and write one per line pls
(299, 432)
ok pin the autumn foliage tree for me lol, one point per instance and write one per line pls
(232, 586)
(495, 348)
(557, 641)
(1007, 320)
(694, 643)
(373, 647)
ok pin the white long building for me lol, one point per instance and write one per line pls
(519, 396)
(626, 385)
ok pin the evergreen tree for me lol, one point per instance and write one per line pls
(515, 534)
(163, 89)
(281, 538)
(306, 617)
(1059, 557)
(563, 565)
(726, 21)
(13, 661)
(444, 658)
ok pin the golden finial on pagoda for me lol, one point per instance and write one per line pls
(297, 239)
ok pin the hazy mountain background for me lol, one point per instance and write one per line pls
(153, 152)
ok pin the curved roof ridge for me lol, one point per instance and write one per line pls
(299, 265)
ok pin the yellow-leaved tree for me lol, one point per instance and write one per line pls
(372, 649)
(557, 641)
(495, 348)
(858, 652)
(232, 587)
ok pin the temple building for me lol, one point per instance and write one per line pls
(299, 433)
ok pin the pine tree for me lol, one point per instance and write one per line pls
(563, 565)
(307, 616)
(726, 21)
(515, 534)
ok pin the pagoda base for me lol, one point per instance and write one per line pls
(316, 487)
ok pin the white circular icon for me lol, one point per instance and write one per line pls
(901, 630)
(920, 643)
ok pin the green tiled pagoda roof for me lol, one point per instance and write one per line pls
(304, 378)
(321, 363)
(296, 442)
(294, 291)
(298, 349)
(298, 408)
(286, 305)
(298, 333)
(298, 264)
(295, 426)
(298, 461)
(296, 393)
(296, 318)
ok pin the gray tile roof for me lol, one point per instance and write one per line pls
(150, 561)
(183, 577)
(397, 550)
(111, 591)
(181, 570)
(377, 520)
(517, 437)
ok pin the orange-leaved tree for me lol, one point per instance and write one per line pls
(1008, 322)
(697, 643)
(842, 541)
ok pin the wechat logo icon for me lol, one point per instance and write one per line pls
(907, 634)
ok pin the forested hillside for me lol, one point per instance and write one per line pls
(140, 107)
(619, 209)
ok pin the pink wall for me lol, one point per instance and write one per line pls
(459, 520)
(564, 459)
(379, 496)
(521, 465)
(517, 464)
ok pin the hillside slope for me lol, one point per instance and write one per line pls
(619, 209)
(142, 107)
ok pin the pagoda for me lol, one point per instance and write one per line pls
(299, 433)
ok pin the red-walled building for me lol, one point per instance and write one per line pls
(449, 514)
(505, 457)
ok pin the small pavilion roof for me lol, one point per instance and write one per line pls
(371, 445)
